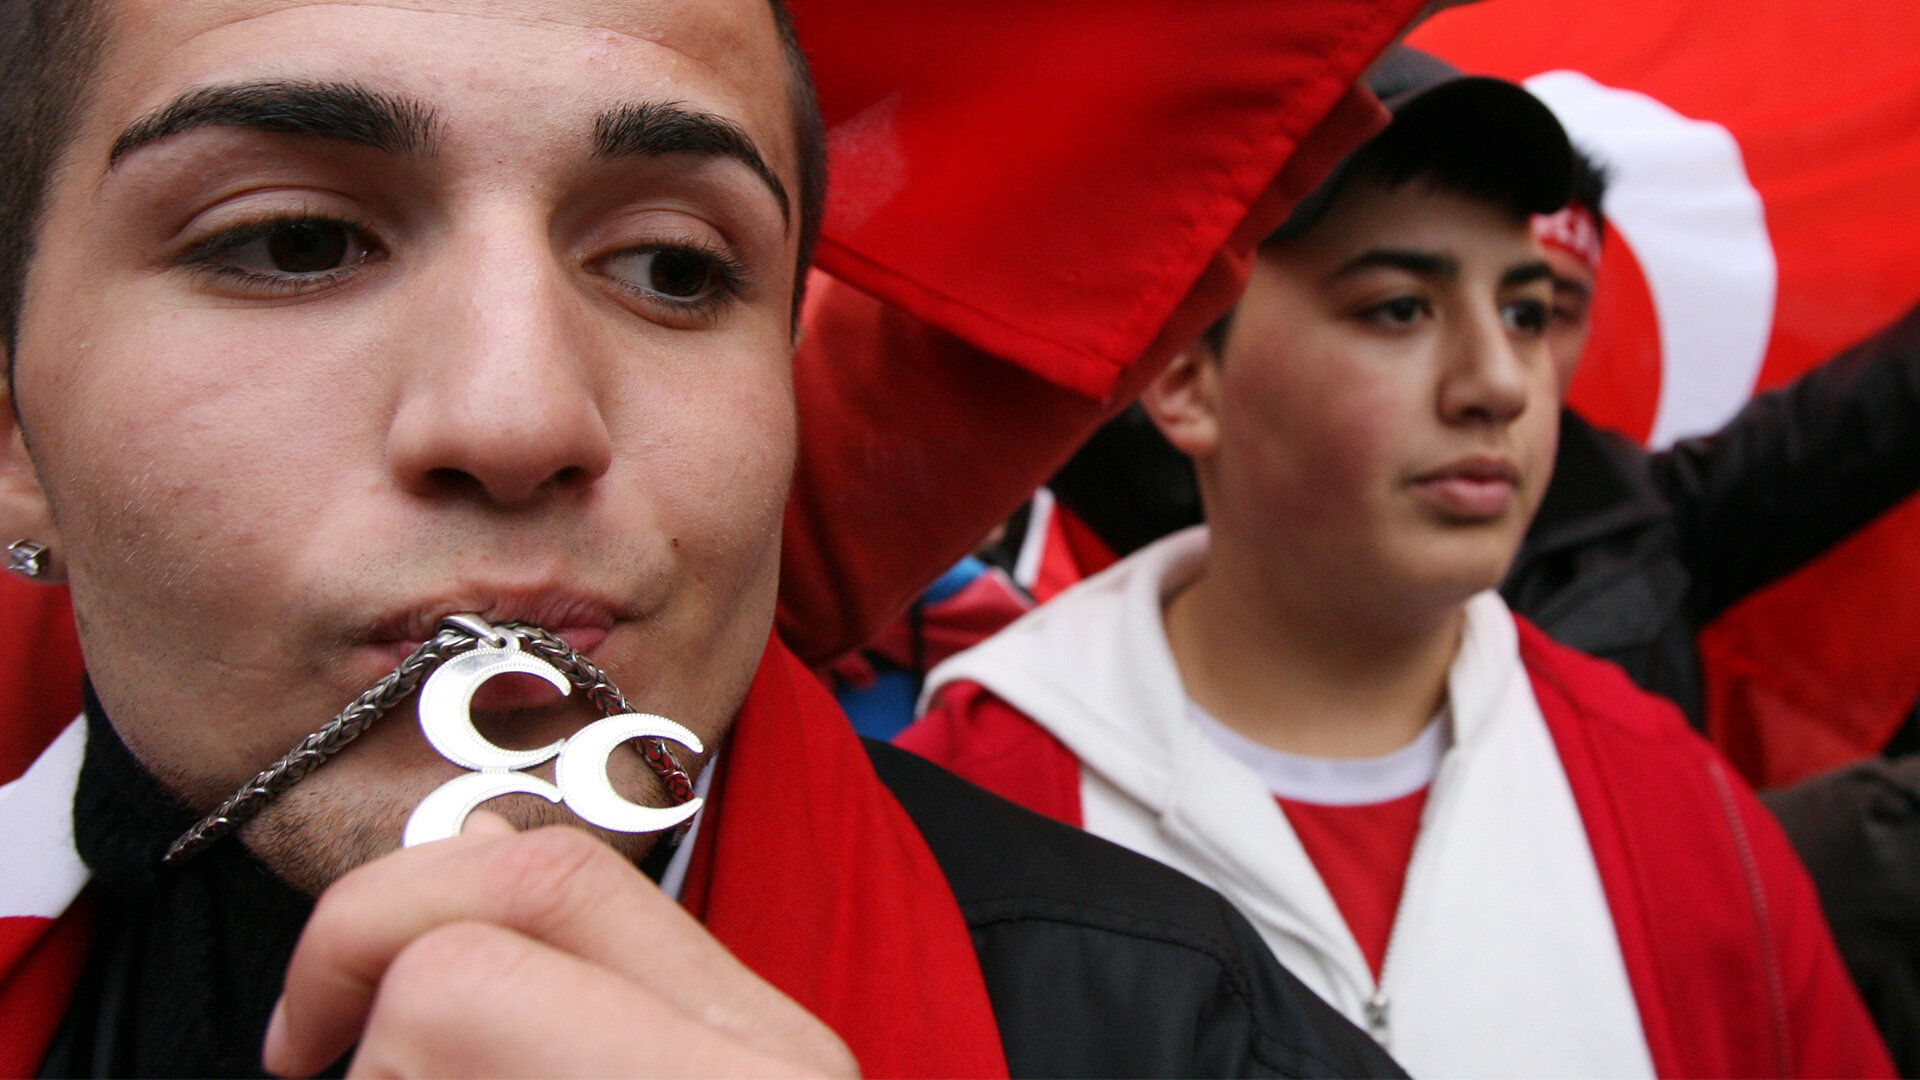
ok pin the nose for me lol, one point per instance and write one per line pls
(498, 398)
(1485, 377)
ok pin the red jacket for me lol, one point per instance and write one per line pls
(1752, 988)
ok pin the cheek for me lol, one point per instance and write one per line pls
(178, 435)
(715, 454)
(1314, 447)
(1538, 439)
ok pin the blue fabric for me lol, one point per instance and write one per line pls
(884, 709)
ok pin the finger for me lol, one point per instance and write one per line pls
(440, 1012)
(479, 823)
(487, 823)
(557, 885)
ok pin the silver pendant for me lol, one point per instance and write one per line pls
(464, 653)
(580, 777)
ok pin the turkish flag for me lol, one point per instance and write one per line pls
(1765, 155)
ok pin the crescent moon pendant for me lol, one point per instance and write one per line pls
(581, 774)
(444, 811)
(448, 694)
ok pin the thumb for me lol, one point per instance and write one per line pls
(486, 823)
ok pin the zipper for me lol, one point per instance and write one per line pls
(1378, 1009)
(1377, 1018)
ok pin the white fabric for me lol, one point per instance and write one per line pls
(1503, 960)
(1033, 546)
(674, 878)
(40, 870)
(1334, 781)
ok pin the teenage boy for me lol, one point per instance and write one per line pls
(1494, 852)
(326, 322)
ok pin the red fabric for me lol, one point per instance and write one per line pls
(1820, 668)
(807, 868)
(1197, 103)
(1362, 854)
(981, 738)
(1088, 552)
(1745, 989)
(1062, 548)
(39, 671)
(40, 963)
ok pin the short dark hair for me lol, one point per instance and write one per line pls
(50, 48)
(1439, 159)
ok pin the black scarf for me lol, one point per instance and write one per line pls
(186, 961)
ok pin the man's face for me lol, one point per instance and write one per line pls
(1571, 322)
(1385, 403)
(502, 328)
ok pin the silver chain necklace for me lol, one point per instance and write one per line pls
(580, 775)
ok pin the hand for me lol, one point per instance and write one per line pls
(499, 953)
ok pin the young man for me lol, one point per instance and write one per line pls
(1459, 833)
(326, 322)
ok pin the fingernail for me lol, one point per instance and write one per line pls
(487, 823)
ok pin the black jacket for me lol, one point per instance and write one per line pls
(1102, 962)
(1632, 553)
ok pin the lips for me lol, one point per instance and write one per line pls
(1471, 489)
(582, 622)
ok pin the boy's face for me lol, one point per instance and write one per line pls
(1385, 402)
(505, 329)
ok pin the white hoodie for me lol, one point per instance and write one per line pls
(1503, 959)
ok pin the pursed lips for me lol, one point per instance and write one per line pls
(1472, 489)
(582, 622)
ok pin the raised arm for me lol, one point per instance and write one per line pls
(1798, 470)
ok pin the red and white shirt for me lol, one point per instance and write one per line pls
(1357, 818)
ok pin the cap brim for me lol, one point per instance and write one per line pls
(1476, 122)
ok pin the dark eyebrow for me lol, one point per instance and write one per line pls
(1423, 263)
(1527, 274)
(651, 129)
(1578, 288)
(344, 111)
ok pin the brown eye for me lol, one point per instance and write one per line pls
(678, 274)
(1528, 317)
(308, 247)
(1398, 313)
(681, 274)
(288, 250)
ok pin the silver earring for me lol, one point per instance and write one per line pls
(26, 558)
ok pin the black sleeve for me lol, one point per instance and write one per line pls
(1102, 962)
(1798, 470)
(1858, 831)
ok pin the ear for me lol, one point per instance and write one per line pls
(1184, 400)
(24, 513)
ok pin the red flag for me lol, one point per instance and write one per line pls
(961, 137)
(1765, 154)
